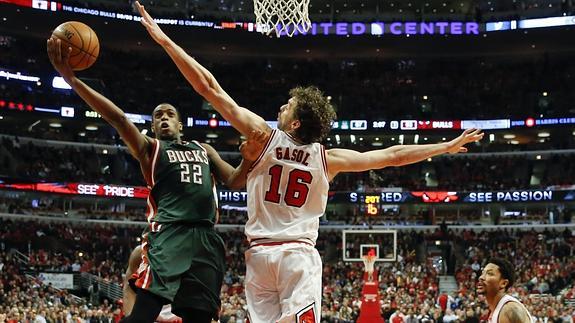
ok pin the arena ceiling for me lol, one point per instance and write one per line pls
(354, 9)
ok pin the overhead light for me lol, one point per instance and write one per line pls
(56, 125)
(376, 138)
(92, 128)
(491, 137)
(82, 134)
(377, 144)
(541, 140)
(425, 97)
(514, 142)
(545, 93)
(105, 151)
(1, 117)
(509, 136)
(538, 157)
(444, 139)
(392, 138)
(573, 133)
(212, 135)
(429, 159)
(543, 134)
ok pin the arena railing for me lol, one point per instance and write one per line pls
(232, 227)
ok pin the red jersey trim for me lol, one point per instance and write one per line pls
(324, 161)
(276, 243)
(263, 151)
(151, 180)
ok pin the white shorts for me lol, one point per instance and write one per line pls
(283, 283)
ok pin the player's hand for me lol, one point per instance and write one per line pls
(252, 148)
(457, 145)
(151, 26)
(59, 55)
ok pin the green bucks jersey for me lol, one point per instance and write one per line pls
(182, 186)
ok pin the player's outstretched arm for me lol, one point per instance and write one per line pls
(235, 178)
(513, 312)
(137, 143)
(345, 160)
(203, 81)
(225, 172)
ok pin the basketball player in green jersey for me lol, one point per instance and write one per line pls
(183, 257)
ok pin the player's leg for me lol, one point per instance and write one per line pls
(146, 308)
(157, 278)
(198, 296)
(191, 315)
(299, 284)
(129, 296)
(260, 283)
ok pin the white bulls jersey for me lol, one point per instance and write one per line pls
(494, 317)
(287, 191)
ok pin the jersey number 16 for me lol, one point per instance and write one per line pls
(297, 188)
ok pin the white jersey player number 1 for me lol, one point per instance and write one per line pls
(297, 190)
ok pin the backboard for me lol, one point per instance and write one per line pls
(357, 243)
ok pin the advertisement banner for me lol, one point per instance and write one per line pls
(387, 197)
(61, 281)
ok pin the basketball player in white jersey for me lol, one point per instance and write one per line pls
(497, 277)
(288, 188)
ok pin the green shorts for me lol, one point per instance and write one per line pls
(185, 265)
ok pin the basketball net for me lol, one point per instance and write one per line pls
(369, 263)
(282, 16)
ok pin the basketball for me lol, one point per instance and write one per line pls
(84, 43)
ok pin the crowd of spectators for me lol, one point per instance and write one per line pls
(408, 288)
(29, 162)
(26, 299)
(544, 265)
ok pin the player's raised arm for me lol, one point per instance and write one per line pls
(345, 160)
(203, 81)
(137, 143)
(235, 178)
